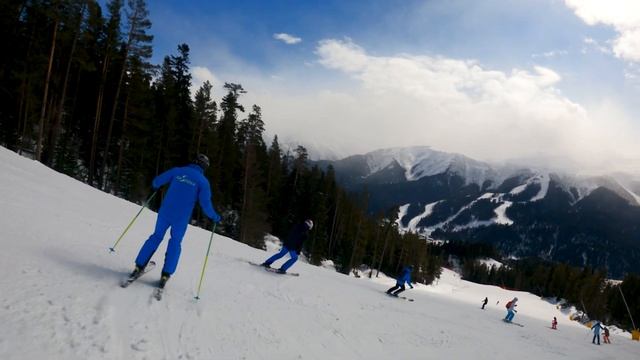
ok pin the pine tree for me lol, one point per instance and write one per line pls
(253, 214)
(112, 39)
(137, 50)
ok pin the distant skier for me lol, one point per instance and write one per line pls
(292, 246)
(484, 302)
(596, 332)
(186, 186)
(605, 336)
(511, 309)
(405, 277)
(554, 323)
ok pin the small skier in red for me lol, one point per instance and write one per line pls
(554, 323)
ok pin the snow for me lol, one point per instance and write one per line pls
(60, 299)
(543, 180)
(402, 212)
(421, 161)
(489, 262)
(428, 210)
(501, 216)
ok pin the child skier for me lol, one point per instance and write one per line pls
(511, 309)
(292, 246)
(186, 186)
(596, 332)
(484, 302)
(405, 277)
(554, 323)
(605, 337)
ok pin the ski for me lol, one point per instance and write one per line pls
(400, 297)
(275, 271)
(129, 280)
(272, 270)
(512, 323)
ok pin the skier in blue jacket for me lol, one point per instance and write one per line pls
(405, 277)
(292, 246)
(186, 186)
(596, 332)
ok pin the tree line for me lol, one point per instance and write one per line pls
(80, 94)
(586, 288)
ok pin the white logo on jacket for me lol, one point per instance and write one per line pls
(185, 180)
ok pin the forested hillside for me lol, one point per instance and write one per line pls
(80, 94)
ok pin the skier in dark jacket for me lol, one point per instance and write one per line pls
(292, 246)
(405, 277)
(484, 302)
(186, 186)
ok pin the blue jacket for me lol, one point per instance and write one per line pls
(405, 277)
(186, 185)
(296, 237)
(596, 328)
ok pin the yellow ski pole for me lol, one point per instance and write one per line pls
(206, 258)
(113, 248)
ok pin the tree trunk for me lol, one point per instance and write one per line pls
(54, 132)
(46, 90)
(333, 225)
(96, 123)
(122, 142)
(355, 245)
(384, 249)
(115, 107)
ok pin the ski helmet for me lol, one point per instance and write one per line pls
(202, 160)
(309, 223)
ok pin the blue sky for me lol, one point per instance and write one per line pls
(526, 56)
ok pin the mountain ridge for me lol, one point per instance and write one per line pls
(446, 196)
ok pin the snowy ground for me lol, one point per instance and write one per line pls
(60, 299)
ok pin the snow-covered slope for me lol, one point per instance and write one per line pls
(421, 161)
(60, 299)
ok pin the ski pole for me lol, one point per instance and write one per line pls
(206, 258)
(113, 248)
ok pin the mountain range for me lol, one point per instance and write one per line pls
(523, 211)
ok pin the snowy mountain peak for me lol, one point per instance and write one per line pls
(421, 161)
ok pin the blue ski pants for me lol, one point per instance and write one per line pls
(283, 252)
(596, 336)
(510, 315)
(174, 248)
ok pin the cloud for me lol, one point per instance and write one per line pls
(450, 104)
(287, 39)
(622, 15)
(550, 54)
(201, 74)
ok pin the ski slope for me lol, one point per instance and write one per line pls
(60, 299)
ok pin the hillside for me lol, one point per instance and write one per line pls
(60, 299)
(580, 220)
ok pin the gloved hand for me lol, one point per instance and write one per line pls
(216, 218)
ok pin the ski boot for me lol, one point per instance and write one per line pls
(163, 280)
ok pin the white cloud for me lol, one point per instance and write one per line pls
(287, 39)
(200, 74)
(591, 43)
(550, 54)
(450, 104)
(622, 15)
